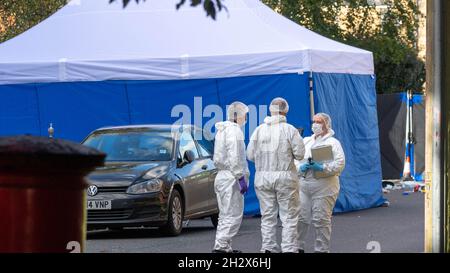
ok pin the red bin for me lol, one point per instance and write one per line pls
(43, 194)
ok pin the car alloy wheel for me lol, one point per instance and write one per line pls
(176, 213)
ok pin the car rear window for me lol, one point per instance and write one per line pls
(126, 145)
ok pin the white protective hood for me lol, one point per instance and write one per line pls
(92, 40)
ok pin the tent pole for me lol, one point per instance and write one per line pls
(407, 159)
(411, 135)
(434, 222)
(428, 241)
(311, 95)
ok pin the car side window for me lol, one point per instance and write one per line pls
(187, 143)
(206, 147)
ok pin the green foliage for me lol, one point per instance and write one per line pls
(397, 65)
(211, 7)
(17, 16)
(316, 15)
(390, 34)
(401, 20)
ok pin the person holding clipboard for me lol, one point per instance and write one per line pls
(319, 182)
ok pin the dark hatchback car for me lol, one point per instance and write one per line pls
(154, 176)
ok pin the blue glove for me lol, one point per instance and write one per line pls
(304, 167)
(243, 185)
(316, 166)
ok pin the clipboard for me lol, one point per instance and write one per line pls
(322, 154)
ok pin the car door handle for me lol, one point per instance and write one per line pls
(204, 167)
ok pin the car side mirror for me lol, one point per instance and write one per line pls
(189, 156)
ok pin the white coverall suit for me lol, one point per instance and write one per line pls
(230, 160)
(273, 147)
(318, 196)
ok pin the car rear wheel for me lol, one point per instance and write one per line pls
(176, 214)
(215, 219)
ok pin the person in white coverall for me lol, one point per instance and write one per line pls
(318, 196)
(231, 182)
(273, 147)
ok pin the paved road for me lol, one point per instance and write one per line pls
(398, 228)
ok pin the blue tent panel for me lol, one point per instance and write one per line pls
(260, 90)
(416, 99)
(77, 108)
(169, 101)
(19, 113)
(350, 100)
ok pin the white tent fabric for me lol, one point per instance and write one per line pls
(92, 40)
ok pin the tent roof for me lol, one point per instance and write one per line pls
(92, 40)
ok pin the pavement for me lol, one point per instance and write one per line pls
(398, 228)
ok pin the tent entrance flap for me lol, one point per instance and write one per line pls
(350, 100)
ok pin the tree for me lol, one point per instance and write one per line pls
(316, 15)
(211, 7)
(19, 15)
(389, 32)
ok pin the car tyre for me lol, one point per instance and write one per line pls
(215, 220)
(175, 216)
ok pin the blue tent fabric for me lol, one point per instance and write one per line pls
(51, 76)
(260, 90)
(416, 99)
(77, 108)
(152, 101)
(350, 100)
(19, 111)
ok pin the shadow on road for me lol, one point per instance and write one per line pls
(135, 233)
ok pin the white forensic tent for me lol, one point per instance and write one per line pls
(94, 64)
(91, 40)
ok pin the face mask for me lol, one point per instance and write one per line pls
(317, 128)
